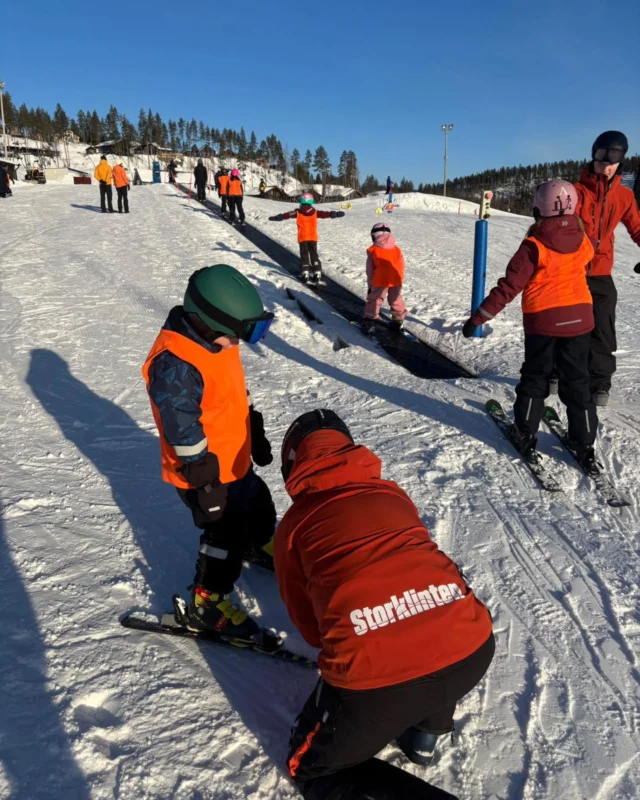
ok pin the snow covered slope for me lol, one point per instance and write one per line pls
(89, 531)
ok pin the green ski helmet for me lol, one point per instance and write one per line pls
(225, 301)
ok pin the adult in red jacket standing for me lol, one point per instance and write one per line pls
(603, 202)
(402, 637)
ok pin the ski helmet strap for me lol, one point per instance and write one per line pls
(238, 326)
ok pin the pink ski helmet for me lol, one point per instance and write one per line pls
(306, 199)
(235, 173)
(378, 229)
(555, 199)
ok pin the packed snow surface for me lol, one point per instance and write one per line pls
(89, 531)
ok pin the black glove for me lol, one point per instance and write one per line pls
(204, 471)
(260, 447)
(637, 268)
(334, 214)
(469, 328)
(212, 500)
(277, 218)
(340, 214)
(103, 183)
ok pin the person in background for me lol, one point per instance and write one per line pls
(603, 202)
(5, 183)
(550, 268)
(200, 175)
(402, 636)
(234, 197)
(121, 181)
(210, 435)
(385, 274)
(221, 179)
(104, 175)
(172, 169)
(262, 187)
(306, 217)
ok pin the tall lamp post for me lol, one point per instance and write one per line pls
(447, 130)
(4, 129)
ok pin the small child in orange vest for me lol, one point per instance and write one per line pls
(550, 269)
(307, 218)
(385, 273)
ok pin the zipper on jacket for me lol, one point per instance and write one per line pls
(604, 203)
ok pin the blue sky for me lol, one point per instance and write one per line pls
(522, 81)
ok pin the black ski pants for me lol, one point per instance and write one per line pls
(249, 519)
(106, 193)
(309, 256)
(223, 202)
(123, 199)
(570, 357)
(235, 203)
(201, 192)
(338, 733)
(602, 362)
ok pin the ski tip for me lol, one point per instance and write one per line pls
(551, 413)
(493, 405)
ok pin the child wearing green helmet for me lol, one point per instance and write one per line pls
(306, 217)
(210, 437)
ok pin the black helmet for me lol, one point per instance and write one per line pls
(610, 146)
(320, 419)
(379, 227)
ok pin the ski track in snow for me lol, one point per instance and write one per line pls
(88, 530)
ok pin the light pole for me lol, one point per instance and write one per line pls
(4, 129)
(447, 130)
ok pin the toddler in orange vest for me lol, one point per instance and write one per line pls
(385, 273)
(306, 217)
(550, 268)
(210, 438)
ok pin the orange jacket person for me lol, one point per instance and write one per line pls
(209, 436)
(402, 637)
(234, 194)
(306, 217)
(603, 202)
(550, 268)
(121, 182)
(104, 176)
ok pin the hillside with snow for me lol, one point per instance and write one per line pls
(88, 531)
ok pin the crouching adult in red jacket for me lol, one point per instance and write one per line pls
(402, 637)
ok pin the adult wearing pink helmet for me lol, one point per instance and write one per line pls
(550, 268)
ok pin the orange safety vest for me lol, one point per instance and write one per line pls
(559, 280)
(224, 404)
(223, 180)
(235, 187)
(388, 266)
(307, 227)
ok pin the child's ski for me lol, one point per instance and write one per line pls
(536, 462)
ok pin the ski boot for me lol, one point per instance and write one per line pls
(215, 613)
(316, 276)
(261, 556)
(601, 398)
(418, 747)
(586, 457)
(525, 442)
(368, 326)
(305, 275)
(396, 325)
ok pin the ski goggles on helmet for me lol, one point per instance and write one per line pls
(250, 330)
(609, 155)
(312, 421)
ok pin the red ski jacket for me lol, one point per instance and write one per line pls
(360, 576)
(602, 204)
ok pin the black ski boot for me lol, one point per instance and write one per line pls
(210, 611)
(368, 326)
(418, 747)
(261, 556)
(305, 275)
(586, 457)
(525, 442)
(601, 398)
(316, 276)
(396, 325)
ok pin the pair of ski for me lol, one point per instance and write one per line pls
(547, 476)
(175, 624)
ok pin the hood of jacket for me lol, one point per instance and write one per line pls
(327, 459)
(562, 234)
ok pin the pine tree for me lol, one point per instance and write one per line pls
(111, 124)
(323, 165)
(295, 161)
(370, 184)
(143, 126)
(242, 144)
(306, 164)
(95, 127)
(252, 151)
(10, 111)
(60, 121)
